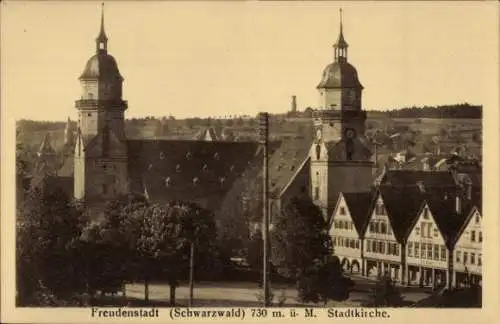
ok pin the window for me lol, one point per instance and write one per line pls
(479, 259)
(389, 230)
(436, 252)
(472, 258)
(397, 249)
(89, 115)
(477, 219)
(426, 213)
(372, 228)
(357, 244)
(376, 228)
(417, 230)
(423, 253)
(465, 257)
(368, 246)
(422, 225)
(334, 241)
(410, 249)
(458, 257)
(429, 251)
(473, 236)
(382, 247)
(416, 250)
(374, 246)
(429, 228)
(382, 209)
(342, 211)
(436, 232)
(443, 253)
(316, 193)
(480, 238)
(352, 226)
(383, 228)
(389, 248)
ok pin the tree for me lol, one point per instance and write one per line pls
(165, 237)
(385, 294)
(324, 280)
(49, 226)
(300, 237)
(302, 249)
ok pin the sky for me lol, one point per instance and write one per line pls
(232, 58)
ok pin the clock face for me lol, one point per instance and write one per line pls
(350, 133)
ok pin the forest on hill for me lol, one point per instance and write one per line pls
(463, 110)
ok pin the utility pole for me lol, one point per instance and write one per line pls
(191, 272)
(264, 136)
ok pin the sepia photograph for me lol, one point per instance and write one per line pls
(216, 159)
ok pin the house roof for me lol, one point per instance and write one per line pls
(402, 205)
(360, 205)
(447, 219)
(404, 178)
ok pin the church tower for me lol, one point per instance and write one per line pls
(340, 157)
(100, 148)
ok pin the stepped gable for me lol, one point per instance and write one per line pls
(196, 171)
(285, 162)
(403, 206)
(360, 205)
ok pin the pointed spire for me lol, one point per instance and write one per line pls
(46, 148)
(102, 39)
(341, 45)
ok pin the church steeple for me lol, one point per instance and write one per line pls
(340, 47)
(102, 39)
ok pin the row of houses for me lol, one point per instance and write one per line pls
(415, 235)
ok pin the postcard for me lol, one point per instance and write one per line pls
(262, 161)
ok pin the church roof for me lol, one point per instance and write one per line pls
(284, 163)
(339, 74)
(101, 66)
(198, 171)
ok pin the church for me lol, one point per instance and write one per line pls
(103, 164)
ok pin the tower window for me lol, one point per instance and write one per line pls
(316, 193)
(318, 151)
(101, 45)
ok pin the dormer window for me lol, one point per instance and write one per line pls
(196, 181)
(222, 180)
(167, 182)
(204, 168)
(188, 155)
(216, 156)
(178, 168)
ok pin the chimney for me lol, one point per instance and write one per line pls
(458, 204)
(294, 104)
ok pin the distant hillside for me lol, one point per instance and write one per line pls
(464, 110)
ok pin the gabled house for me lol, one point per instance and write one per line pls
(347, 227)
(468, 260)
(427, 248)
